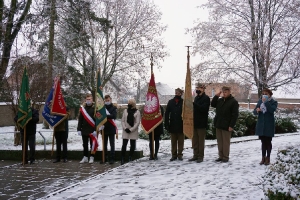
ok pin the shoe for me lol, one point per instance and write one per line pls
(219, 160)
(65, 160)
(224, 160)
(180, 158)
(151, 158)
(192, 159)
(91, 160)
(267, 161)
(84, 160)
(56, 161)
(262, 160)
(32, 162)
(173, 158)
(199, 160)
(155, 156)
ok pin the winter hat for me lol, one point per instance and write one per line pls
(226, 88)
(200, 85)
(179, 90)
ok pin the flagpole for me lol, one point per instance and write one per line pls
(53, 141)
(24, 145)
(152, 144)
(103, 153)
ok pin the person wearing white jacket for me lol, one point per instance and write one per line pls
(130, 122)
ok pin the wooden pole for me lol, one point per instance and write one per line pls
(24, 146)
(152, 144)
(53, 142)
(103, 153)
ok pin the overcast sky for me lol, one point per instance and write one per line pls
(177, 15)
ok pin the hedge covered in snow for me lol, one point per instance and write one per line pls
(282, 178)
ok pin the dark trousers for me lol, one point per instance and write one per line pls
(61, 139)
(85, 140)
(111, 138)
(266, 145)
(156, 140)
(124, 146)
(30, 139)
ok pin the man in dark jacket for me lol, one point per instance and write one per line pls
(110, 129)
(227, 112)
(86, 126)
(201, 108)
(158, 131)
(174, 124)
(30, 136)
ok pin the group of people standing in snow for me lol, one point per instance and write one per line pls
(227, 112)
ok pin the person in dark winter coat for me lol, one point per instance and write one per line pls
(86, 126)
(227, 112)
(201, 108)
(110, 129)
(174, 124)
(131, 119)
(30, 136)
(158, 131)
(61, 137)
(265, 126)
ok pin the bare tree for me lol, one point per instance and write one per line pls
(256, 42)
(121, 49)
(12, 18)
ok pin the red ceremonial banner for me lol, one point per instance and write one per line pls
(151, 116)
(58, 103)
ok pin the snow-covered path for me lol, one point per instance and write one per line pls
(162, 179)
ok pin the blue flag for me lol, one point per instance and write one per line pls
(52, 119)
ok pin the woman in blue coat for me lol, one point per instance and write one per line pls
(265, 126)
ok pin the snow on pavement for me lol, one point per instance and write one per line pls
(164, 180)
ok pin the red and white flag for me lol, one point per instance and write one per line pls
(151, 116)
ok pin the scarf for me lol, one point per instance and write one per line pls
(130, 117)
(263, 107)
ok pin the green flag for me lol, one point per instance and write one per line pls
(24, 108)
(100, 110)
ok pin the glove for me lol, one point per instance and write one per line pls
(127, 130)
(107, 113)
(101, 128)
(79, 133)
(94, 134)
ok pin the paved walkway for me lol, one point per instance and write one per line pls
(44, 177)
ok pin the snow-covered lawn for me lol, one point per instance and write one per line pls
(240, 178)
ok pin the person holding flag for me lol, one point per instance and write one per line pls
(201, 107)
(86, 126)
(174, 124)
(27, 118)
(110, 129)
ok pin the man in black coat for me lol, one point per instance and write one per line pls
(201, 108)
(110, 129)
(174, 124)
(227, 112)
(30, 136)
(86, 126)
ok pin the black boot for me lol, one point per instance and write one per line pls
(122, 161)
(155, 156)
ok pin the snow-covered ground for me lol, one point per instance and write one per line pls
(240, 178)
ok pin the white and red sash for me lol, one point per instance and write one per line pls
(87, 117)
(114, 124)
